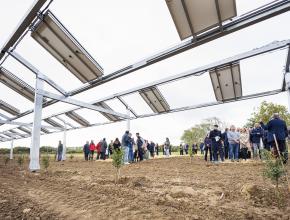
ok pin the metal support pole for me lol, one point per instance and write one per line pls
(64, 143)
(11, 150)
(287, 81)
(128, 119)
(35, 139)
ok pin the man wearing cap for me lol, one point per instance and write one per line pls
(277, 127)
(216, 139)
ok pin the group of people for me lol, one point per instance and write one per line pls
(134, 150)
(236, 144)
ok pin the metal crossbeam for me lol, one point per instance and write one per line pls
(33, 69)
(27, 124)
(80, 103)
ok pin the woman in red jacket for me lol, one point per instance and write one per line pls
(98, 148)
(92, 149)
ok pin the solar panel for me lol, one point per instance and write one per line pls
(24, 130)
(53, 123)
(153, 97)
(57, 40)
(17, 133)
(8, 134)
(108, 116)
(44, 130)
(16, 84)
(79, 119)
(192, 17)
(226, 82)
(9, 108)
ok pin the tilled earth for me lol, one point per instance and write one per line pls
(171, 188)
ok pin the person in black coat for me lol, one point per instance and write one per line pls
(277, 127)
(216, 139)
(226, 143)
(86, 150)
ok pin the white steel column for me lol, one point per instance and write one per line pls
(128, 120)
(64, 143)
(11, 150)
(287, 80)
(35, 138)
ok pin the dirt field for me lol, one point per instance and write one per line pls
(156, 189)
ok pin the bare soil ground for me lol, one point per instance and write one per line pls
(156, 189)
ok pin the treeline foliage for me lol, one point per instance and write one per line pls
(265, 112)
(43, 149)
(197, 133)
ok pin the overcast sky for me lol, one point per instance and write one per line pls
(119, 33)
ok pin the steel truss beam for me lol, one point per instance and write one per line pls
(29, 66)
(192, 107)
(80, 103)
(243, 21)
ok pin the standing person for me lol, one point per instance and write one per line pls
(92, 150)
(201, 147)
(103, 149)
(244, 143)
(216, 140)
(167, 147)
(181, 149)
(278, 127)
(186, 146)
(207, 146)
(157, 149)
(125, 146)
(111, 147)
(131, 153)
(59, 151)
(86, 150)
(194, 148)
(226, 143)
(117, 144)
(152, 147)
(140, 143)
(98, 148)
(255, 140)
(234, 140)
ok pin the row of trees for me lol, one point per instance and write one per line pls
(263, 113)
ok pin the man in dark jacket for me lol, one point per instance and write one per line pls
(226, 143)
(59, 151)
(86, 150)
(277, 127)
(255, 139)
(103, 149)
(216, 139)
(140, 143)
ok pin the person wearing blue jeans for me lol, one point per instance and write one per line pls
(125, 146)
(233, 139)
(130, 148)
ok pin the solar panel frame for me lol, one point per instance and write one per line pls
(16, 84)
(108, 116)
(192, 17)
(226, 82)
(77, 118)
(57, 40)
(53, 123)
(21, 128)
(154, 98)
(9, 108)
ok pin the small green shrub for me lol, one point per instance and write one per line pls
(118, 161)
(273, 167)
(45, 161)
(71, 157)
